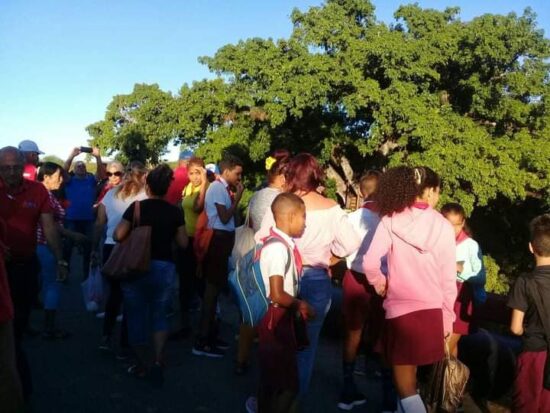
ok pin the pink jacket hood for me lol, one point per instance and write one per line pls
(411, 224)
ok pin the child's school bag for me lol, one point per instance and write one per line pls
(248, 285)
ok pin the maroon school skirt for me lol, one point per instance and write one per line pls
(361, 306)
(464, 308)
(414, 339)
(277, 352)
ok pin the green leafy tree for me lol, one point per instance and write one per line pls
(466, 98)
(137, 126)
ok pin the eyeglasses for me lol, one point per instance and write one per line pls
(117, 173)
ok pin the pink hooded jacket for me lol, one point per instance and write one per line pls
(420, 248)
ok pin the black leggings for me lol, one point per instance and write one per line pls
(113, 305)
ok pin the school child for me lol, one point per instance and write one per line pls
(361, 306)
(420, 287)
(470, 274)
(530, 300)
(277, 339)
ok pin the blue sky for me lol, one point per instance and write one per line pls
(62, 61)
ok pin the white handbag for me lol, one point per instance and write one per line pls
(244, 239)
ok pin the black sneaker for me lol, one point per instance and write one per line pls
(207, 350)
(348, 400)
(219, 343)
(106, 344)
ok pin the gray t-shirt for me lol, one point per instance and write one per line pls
(259, 204)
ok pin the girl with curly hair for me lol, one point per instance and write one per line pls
(420, 287)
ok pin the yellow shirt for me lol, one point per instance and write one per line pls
(189, 195)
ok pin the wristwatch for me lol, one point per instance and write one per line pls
(63, 263)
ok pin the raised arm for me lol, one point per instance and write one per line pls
(225, 214)
(100, 168)
(74, 153)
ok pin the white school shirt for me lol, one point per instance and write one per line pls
(274, 260)
(217, 193)
(364, 222)
(469, 252)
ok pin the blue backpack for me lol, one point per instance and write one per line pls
(248, 285)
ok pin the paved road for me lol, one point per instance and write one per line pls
(74, 376)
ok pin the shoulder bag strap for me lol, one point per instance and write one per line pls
(137, 214)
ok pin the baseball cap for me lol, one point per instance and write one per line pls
(29, 146)
(212, 167)
(185, 155)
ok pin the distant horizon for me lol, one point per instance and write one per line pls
(63, 64)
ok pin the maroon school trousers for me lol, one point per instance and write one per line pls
(277, 358)
(529, 394)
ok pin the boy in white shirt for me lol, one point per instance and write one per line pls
(277, 339)
(220, 205)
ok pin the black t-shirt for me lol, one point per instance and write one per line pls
(164, 220)
(520, 299)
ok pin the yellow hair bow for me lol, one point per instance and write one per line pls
(269, 161)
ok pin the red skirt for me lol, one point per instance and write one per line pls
(464, 308)
(277, 353)
(361, 306)
(414, 339)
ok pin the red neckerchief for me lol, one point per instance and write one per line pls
(370, 205)
(295, 252)
(421, 205)
(462, 236)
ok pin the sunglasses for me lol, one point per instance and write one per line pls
(117, 173)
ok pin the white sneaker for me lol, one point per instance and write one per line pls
(100, 315)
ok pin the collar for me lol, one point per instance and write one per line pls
(10, 192)
(462, 236)
(421, 205)
(223, 181)
(276, 231)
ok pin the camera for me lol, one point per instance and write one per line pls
(85, 149)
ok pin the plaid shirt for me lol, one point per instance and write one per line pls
(58, 217)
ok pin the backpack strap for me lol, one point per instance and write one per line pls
(137, 214)
(271, 240)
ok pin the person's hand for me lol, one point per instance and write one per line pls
(240, 190)
(62, 271)
(79, 238)
(306, 311)
(204, 176)
(75, 152)
(96, 152)
(381, 289)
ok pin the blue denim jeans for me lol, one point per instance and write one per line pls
(147, 299)
(48, 275)
(316, 290)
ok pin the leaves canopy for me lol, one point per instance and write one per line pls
(468, 99)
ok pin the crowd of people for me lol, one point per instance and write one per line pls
(414, 273)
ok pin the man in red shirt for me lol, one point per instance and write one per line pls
(181, 179)
(30, 151)
(23, 204)
(11, 398)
